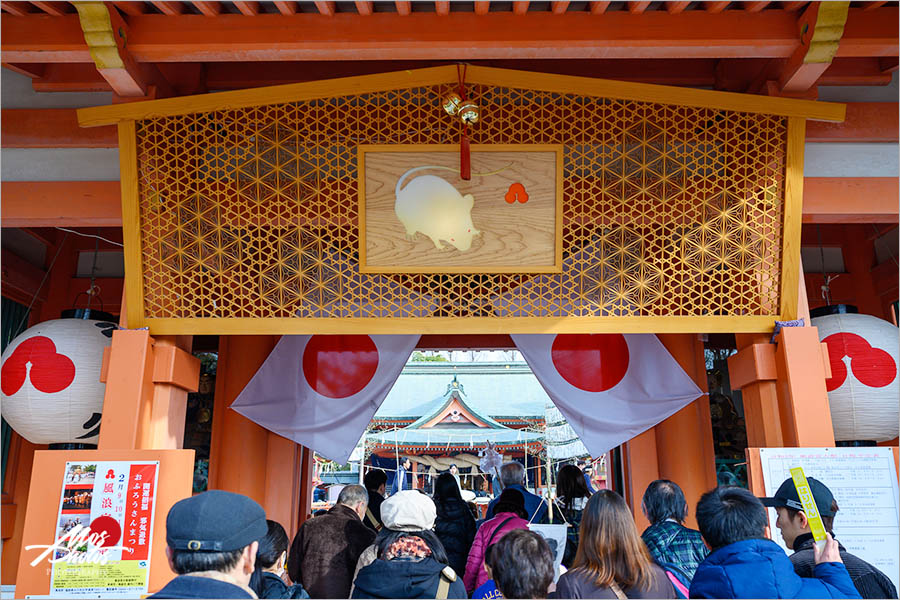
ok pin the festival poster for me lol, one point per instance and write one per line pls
(104, 529)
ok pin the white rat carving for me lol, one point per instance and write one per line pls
(433, 206)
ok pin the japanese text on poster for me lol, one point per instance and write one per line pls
(104, 529)
(864, 484)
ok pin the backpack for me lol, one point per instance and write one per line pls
(677, 577)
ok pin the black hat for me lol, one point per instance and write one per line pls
(215, 521)
(787, 497)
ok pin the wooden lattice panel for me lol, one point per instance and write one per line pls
(251, 215)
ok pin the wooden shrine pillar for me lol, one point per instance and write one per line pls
(246, 458)
(684, 441)
(641, 466)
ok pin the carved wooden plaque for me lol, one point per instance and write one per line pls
(418, 216)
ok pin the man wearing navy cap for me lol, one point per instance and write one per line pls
(212, 542)
(794, 527)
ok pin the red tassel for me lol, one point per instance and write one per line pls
(465, 159)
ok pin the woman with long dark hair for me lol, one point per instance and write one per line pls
(454, 525)
(572, 496)
(271, 557)
(612, 561)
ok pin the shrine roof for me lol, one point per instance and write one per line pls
(494, 390)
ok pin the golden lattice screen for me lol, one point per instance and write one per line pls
(248, 217)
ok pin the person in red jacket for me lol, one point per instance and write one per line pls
(510, 514)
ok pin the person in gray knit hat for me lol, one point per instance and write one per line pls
(211, 543)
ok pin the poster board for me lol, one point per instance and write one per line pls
(556, 539)
(104, 522)
(864, 484)
(174, 482)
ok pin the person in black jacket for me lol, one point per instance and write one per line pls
(375, 482)
(267, 580)
(454, 526)
(794, 526)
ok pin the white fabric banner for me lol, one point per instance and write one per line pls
(610, 387)
(323, 390)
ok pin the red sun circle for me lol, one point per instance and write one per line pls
(110, 526)
(339, 366)
(591, 362)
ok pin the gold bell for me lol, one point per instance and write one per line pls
(469, 112)
(451, 103)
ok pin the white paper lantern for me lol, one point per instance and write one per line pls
(50, 381)
(864, 390)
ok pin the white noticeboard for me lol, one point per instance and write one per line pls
(864, 484)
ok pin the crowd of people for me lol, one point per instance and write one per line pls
(411, 545)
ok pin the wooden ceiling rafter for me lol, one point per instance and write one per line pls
(209, 9)
(520, 7)
(598, 7)
(365, 7)
(286, 8)
(559, 7)
(18, 9)
(131, 8)
(792, 6)
(171, 9)
(754, 7)
(248, 9)
(674, 8)
(482, 7)
(637, 8)
(56, 9)
(404, 7)
(442, 7)
(326, 7)
(872, 5)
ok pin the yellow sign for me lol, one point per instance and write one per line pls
(809, 505)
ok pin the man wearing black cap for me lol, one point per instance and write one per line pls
(794, 526)
(212, 541)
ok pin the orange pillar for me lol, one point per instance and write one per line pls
(246, 458)
(684, 443)
(859, 258)
(802, 368)
(15, 498)
(641, 466)
(752, 370)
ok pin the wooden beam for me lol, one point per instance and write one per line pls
(637, 8)
(520, 7)
(56, 9)
(499, 35)
(404, 7)
(209, 9)
(865, 122)
(171, 9)
(61, 204)
(482, 7)
(673, 8)
(821, 27)
(850, 199)
(131, 8)
(792, 6)
(18, 9)
(888, 64)
(249, 9)
(20, 275)
(872, 5)
(754, 7)
(286, 8)
(367, 7)
(855, 71)
(325, 7)
(76, 77)
(51, 128)
(33, 71)
(559, 7)
(598, 7)
(106, 33)
(715, 7)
